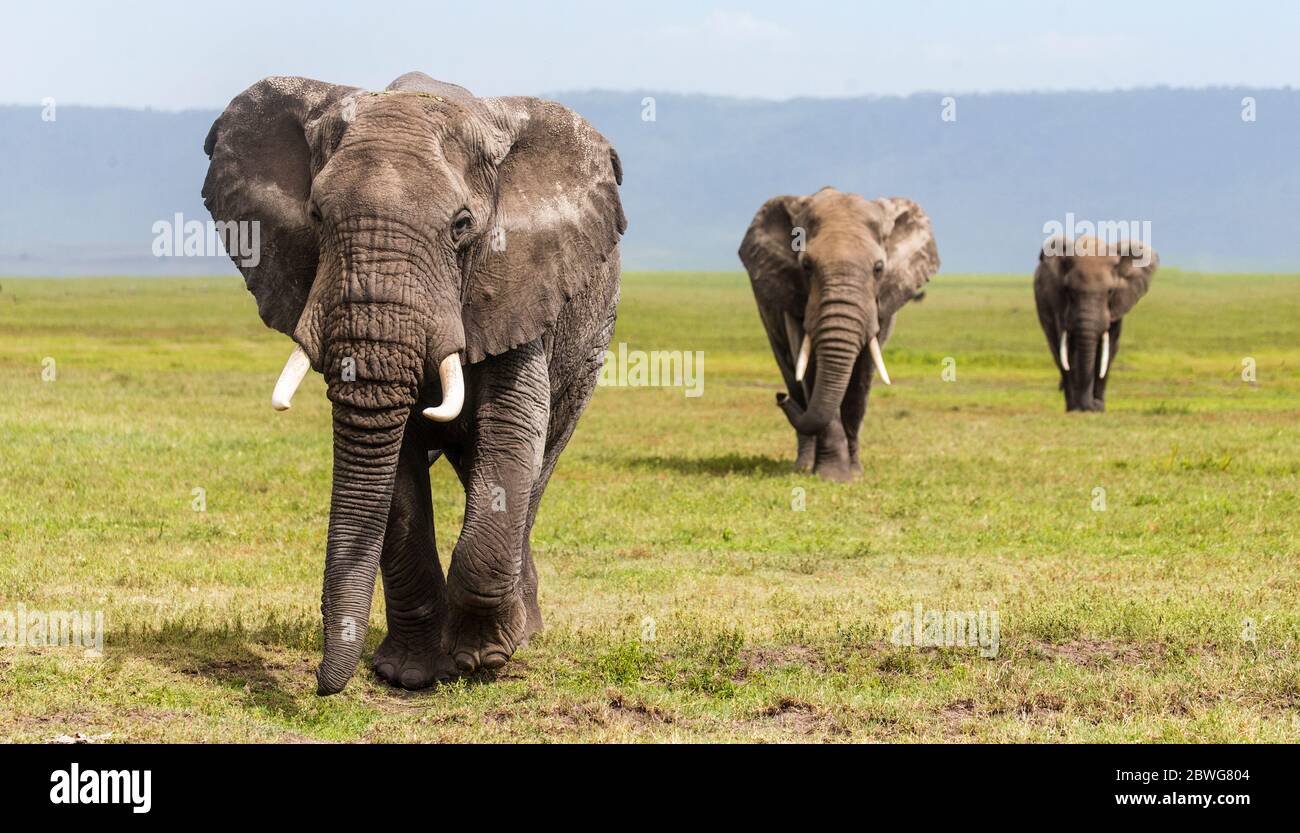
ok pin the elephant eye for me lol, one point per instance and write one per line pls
(879, 268)
(807, 264)
(464, 222)
(313, 211)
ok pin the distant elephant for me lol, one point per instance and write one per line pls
(1083, 291)
(401, 231)
(829, 273)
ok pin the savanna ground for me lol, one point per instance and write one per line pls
(684, 597)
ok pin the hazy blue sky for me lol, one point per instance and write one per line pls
(181, 54)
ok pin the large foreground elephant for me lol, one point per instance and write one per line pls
(451, 265)
(1083, 291)
(829, 273)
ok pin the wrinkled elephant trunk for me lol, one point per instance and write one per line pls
(1083, 346)
(840, 331)
(366, 446)
(378, 353)
(834, 371)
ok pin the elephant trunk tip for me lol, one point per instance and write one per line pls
(800, 420)
(790, 408)
(329, 680)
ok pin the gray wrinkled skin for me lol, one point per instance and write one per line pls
(1088, 293)
(833, 291)
(397, 228)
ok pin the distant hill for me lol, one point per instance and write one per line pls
(80, 195)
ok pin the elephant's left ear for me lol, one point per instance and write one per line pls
(911, 257)
(557, 223)
(1136, 268)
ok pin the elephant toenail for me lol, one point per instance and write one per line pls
(413, 678)
(465, 661)
(494, 659)
(385, 670)
(443, 668)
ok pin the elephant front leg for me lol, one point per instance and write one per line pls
(487, 618)
(415, 594)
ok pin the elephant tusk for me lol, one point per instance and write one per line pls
(877, 359)
(1065, 350)
(1105, 353)
(453, 391)
(801, 363)
(290, 378)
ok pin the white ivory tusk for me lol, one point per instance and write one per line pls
(1105, 353)
(878, 360)
(453, 391)
(1065, 350)
(801, 363)
(290, 378)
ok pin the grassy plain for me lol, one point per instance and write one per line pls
(684, 597)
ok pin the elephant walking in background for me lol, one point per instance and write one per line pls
(829, 272)
(451, 265)
(1083, 291)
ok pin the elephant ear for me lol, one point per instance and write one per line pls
(911, 256)
(1052, 266)
(769, 254)
(557, 223)
(261, 172)
(1135, 271)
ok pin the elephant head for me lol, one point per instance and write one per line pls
(405, 236)
(1083, 291)
(837, 267)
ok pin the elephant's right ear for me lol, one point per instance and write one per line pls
(770, 248)
(261, 172)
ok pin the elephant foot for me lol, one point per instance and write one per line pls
(477, 640)
(411, 663)
(836, 472)
(836, 463)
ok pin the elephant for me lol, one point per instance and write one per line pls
(450, 264)
(1083, 289)
(829, 273)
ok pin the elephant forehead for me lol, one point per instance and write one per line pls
(372, 180)
(1095, 272)
(828, 201)
(1091, 249)
(830, 211)
(406, 118)
(852, 241)
(384, 156)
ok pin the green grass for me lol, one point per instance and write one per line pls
(672, 517)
